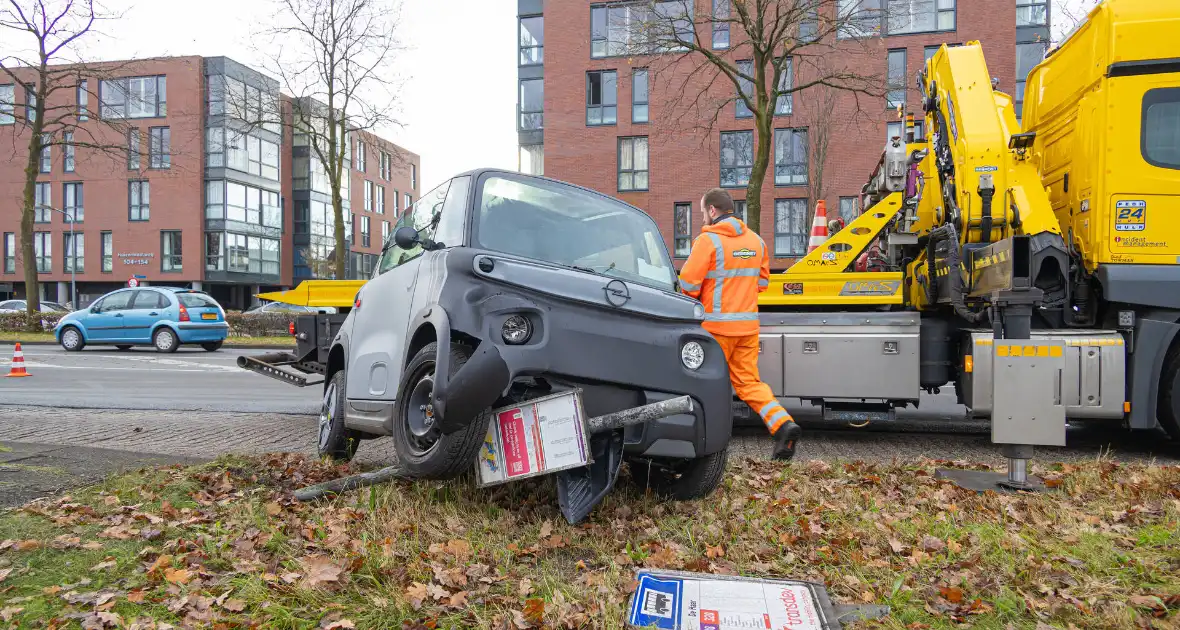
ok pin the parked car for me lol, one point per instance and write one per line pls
(271, 308)
(20, 306)
(164, 317)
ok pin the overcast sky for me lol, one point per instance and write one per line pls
(459, 101)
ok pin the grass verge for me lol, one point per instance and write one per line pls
(224, 545)
(25, 337)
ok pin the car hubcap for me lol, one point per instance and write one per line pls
(71, 338)
(420, 418)
(164, 340)
(327, 412)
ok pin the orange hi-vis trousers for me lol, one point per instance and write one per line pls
(741, 353)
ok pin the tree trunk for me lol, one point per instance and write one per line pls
(762, 149)
(341, 245)
(28, 210)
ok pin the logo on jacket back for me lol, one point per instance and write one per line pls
(744, 253)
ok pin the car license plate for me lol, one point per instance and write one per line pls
(208, 315)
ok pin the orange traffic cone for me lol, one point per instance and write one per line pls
(18, 363)
(819, 226)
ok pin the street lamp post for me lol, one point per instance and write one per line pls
(73, 257)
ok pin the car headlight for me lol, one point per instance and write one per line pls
(516, 330)
(698, 311)
(692, 355)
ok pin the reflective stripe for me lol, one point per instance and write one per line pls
(780, 414)
(719, 265)
(763, 282)
(690, 286)
(767, 408)
(737, 225)
(731, 317)
(734, 273)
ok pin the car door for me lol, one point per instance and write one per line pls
(104, 322)
(379, 329)
(147, 307)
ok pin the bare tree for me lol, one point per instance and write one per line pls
(335, 58)
(820, 113)
(772, 50)
(1067, 15)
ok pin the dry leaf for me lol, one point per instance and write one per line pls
(320, 570)
(9, 612)
(534, 610)
(459, 548)
(4, 573)
(417, 593)
(930, 544)
(896, 545)
(953, 594)
(93, 545)
(160, 563)
(178, 576)
(273, 509)
(525, 587)
(103, 566)
(437, 592)
(28, 545)
(714, 552)
(458, 600)
(136, 597)
(339, 624)
(234, 605)
(546, 529)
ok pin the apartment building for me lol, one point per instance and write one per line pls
(598, 115)
(204, 185)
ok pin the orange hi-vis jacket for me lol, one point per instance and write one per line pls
(726, 270)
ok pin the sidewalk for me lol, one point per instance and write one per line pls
(29, 471)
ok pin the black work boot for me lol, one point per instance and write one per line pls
(786, 440)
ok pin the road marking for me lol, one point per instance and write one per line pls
(127, 369)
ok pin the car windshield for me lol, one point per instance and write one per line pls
(568, 226)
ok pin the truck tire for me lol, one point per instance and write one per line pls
(334, 439)
(684, 480)
(1168, 405)
(422, 450)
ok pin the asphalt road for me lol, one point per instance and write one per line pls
(141, 378)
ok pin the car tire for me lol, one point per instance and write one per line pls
(334, 439)
(212, 346)
(682, 480)
(165, 340)
(1168, 403)
(422, 450)
(72, 339)
(123, 347)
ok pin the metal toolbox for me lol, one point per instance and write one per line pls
(841, 356)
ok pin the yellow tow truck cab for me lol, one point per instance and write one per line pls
(1105, 107)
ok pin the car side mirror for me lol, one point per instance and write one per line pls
(406, 237)
(93, 309)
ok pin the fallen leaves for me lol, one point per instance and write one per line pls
(320, 570)
(930, 544)
(178, 576)
(534, 610)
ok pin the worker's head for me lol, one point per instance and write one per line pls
(714, 204)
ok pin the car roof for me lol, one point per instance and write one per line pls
(476, 173)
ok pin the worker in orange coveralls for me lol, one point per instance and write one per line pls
(726, 270)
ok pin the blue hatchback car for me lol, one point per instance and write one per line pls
(164, 317)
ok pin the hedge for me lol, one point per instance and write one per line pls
(263, 325)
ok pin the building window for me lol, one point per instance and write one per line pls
(108, 252)
(602, 97)
(7, 104)
(532, 40)
(739, 209)
(809, 27)
(720, 24)
(929, 52)
(133, 151)
(633, 163)
(741, 110)
(384, 231)
(737, 158)
(74, 211)
(9, 252)
(238, 252)
(849, 209)
(170, 251)
(386, 166)
(532, 104)
(368, 196)
(365, 240)
(414, 176)
(639, 96)
(409, 201)
(1032, 12)
(790, 157)
(46, 161)
(68, 151)
(682, 230)
(396, 197)
(134, 97)
(895, 81)
(232, 201)
(362, 164)
(785, 102)
(215, 251)
(617, 29)
(75, 252)
(859, 18)
(139, 195)
(532, 160)
(30, 103)
(43, 251)
(83, 100)
(42, 202)
(380, 200)
(1027, 58)
(160, 148)
(790, 228)
(894, 130)
(919, 16)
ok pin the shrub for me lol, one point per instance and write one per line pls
(262, 325)
(23, 322)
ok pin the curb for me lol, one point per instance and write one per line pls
(228, 346)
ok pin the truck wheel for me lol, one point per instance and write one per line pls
(335, 440)
(682, 480)
(421, 447)
(1168, 404)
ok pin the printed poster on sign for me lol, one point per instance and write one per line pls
(697, 601)
(534, 438)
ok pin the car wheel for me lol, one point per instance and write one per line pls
(422, 449)
(1168, 404)
(123, 347)
(682, 480)
(165, 340)
(213, 346)
(335, 440)
(71, 339)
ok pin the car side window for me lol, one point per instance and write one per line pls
(115, 302)
(450, 226)
(424, 216)
(11, 304)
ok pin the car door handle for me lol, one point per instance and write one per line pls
(153, 313)
(118, 314)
